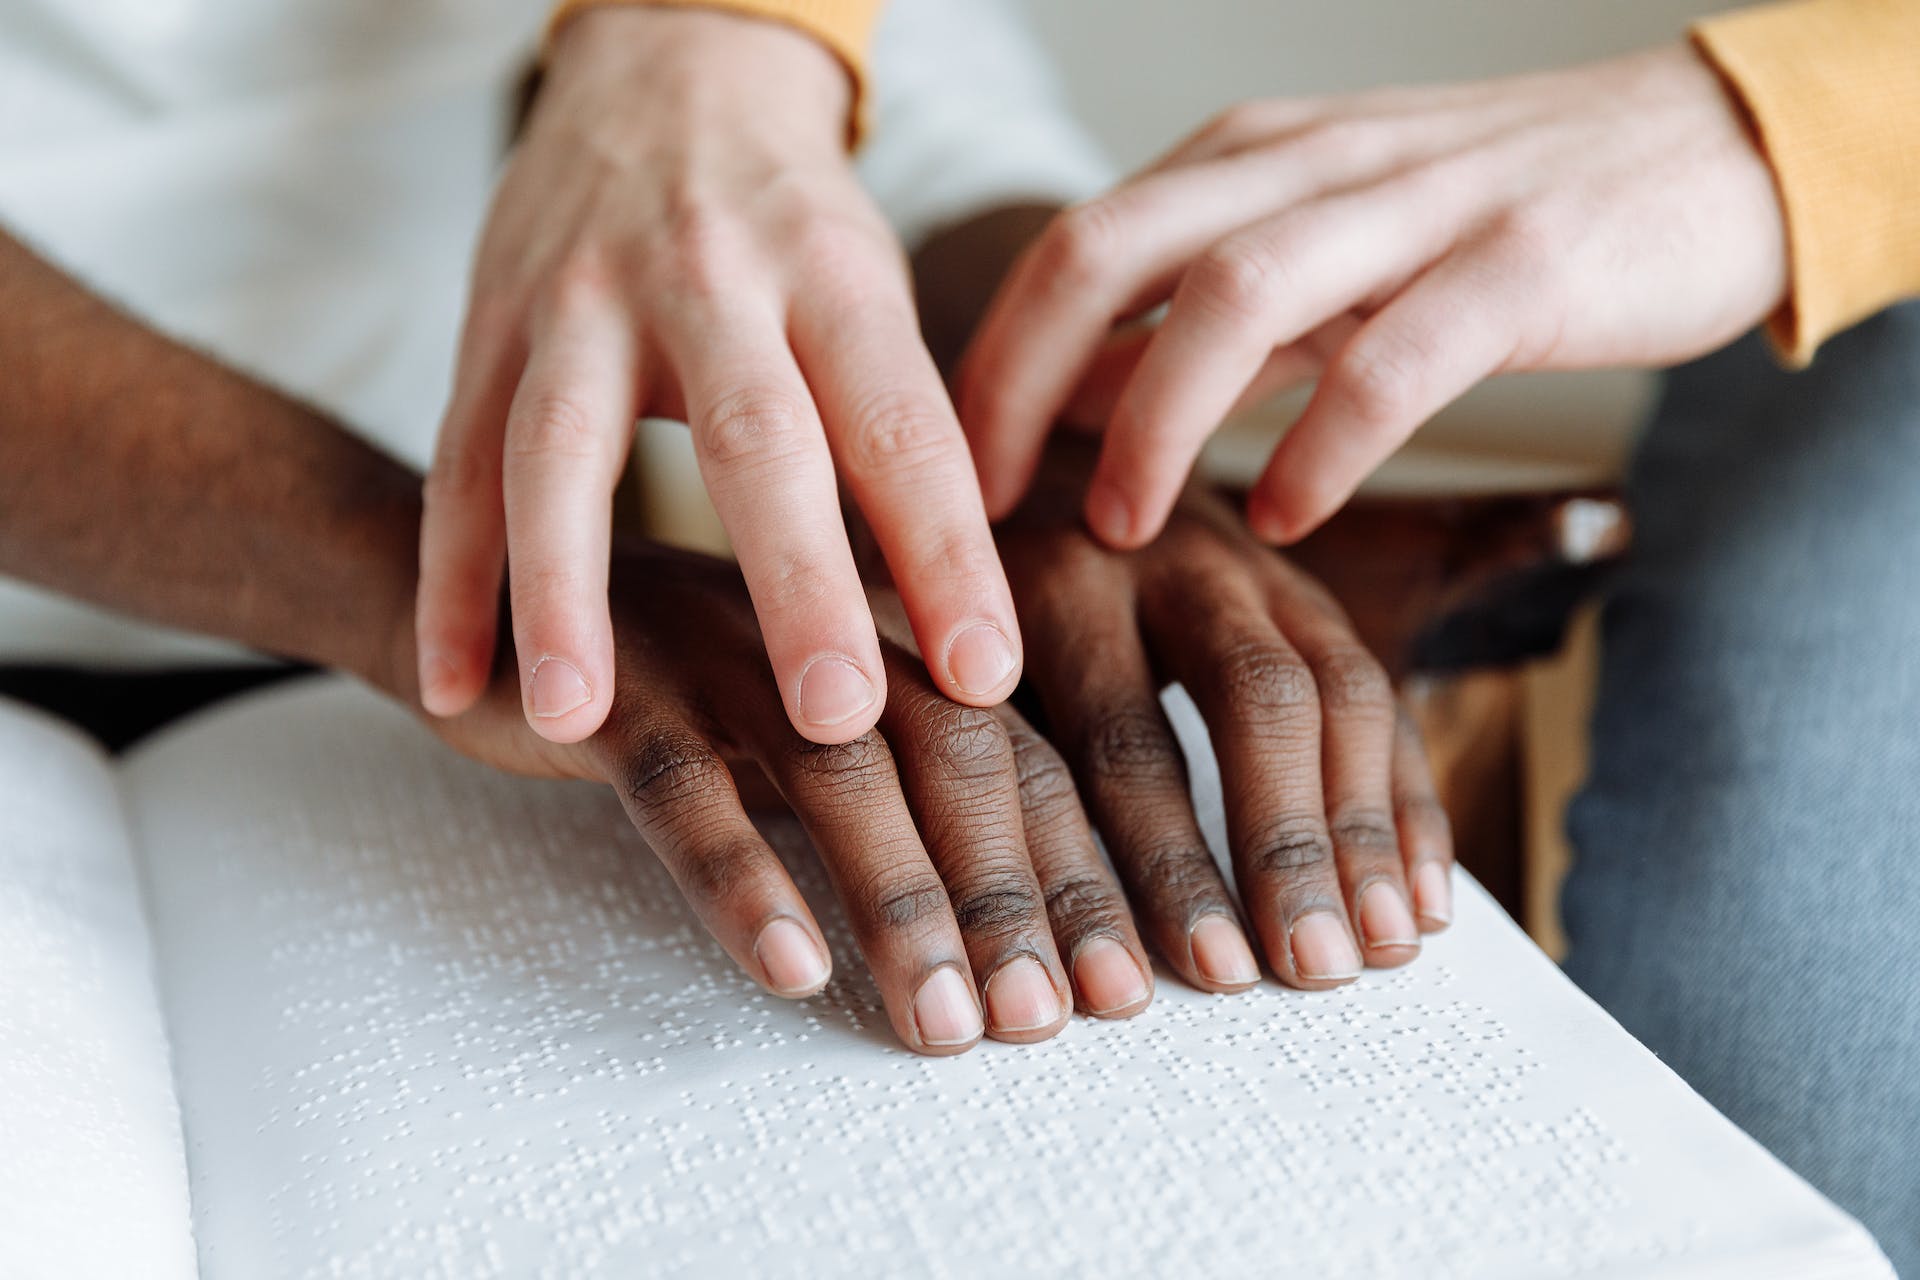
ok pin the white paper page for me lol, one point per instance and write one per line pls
(431, 1021)
(93, 1178)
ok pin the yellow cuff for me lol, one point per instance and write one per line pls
(1833, 88)
(844, 26)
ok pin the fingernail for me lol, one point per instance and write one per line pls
(1108, 977)
(833, 690)
(1384, 917)
(791, 961)
(980, 659)
(557, 687)
(1020, 997)
(1221, 953)
(1322, 949)
(944, 1011)
(1433, 891)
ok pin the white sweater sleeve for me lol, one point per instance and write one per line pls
(969, 115)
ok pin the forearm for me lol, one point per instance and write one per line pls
(145, 477)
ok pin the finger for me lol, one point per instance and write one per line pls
(1456, 324)
(1094, 264)
(957, 769)
(1101, 700)
(1242, 125)
(848, 797)
(1259, 289)
(682, 799)
(568, 434)
(1092, 928)
(766, 465)
(901, 453)
(1357, 750)
(1286, 367)
(1426, 837)
(1123, 252)
(463, 536)
(1212, 631)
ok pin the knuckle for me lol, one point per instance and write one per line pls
(794, 583)
(1290, 851)
(1233, 126)
(1260, 677)
(752, 428)
(1365, 831)
(849, 770)
(703, 250)
(553, 424)
(896, 431)
(1173, 871)
(1377, 386)
(1240, 119)
(544, 583)
(667, 771)
(1532, 233)
(1422, 811)
(903, 901)
(967, 744)
(1081, 904)
(1042, 774)
(720, 873)
(583, 279)
(460, 474)
(1442, 182)
(956, 556)
(493, 312)
(1335, 140)
(1351, 679)
(1234, 280)
(996, 903)
(843, 250)
(1127, 744)
(1081, 244)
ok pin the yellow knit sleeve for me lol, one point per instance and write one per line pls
(843, 26)
(1833, 88)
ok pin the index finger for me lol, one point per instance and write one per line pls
(1095, 264)
(764, 458)
(901, 452)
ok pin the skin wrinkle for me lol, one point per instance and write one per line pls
(970, 744)
(1126, 746)
(995, 903)
(1289, 854)
(669, 769)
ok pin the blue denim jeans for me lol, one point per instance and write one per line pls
(1746, 893)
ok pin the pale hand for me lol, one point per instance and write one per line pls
(680, 234)
(1399, 246)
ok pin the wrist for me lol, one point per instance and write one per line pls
(690, 63)
(372, 636)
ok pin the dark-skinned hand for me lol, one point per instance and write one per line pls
(1341, 851)
(951, 834)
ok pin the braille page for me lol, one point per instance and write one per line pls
(435, 1022)
(93, 1178)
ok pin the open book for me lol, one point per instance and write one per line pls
(296, 991)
